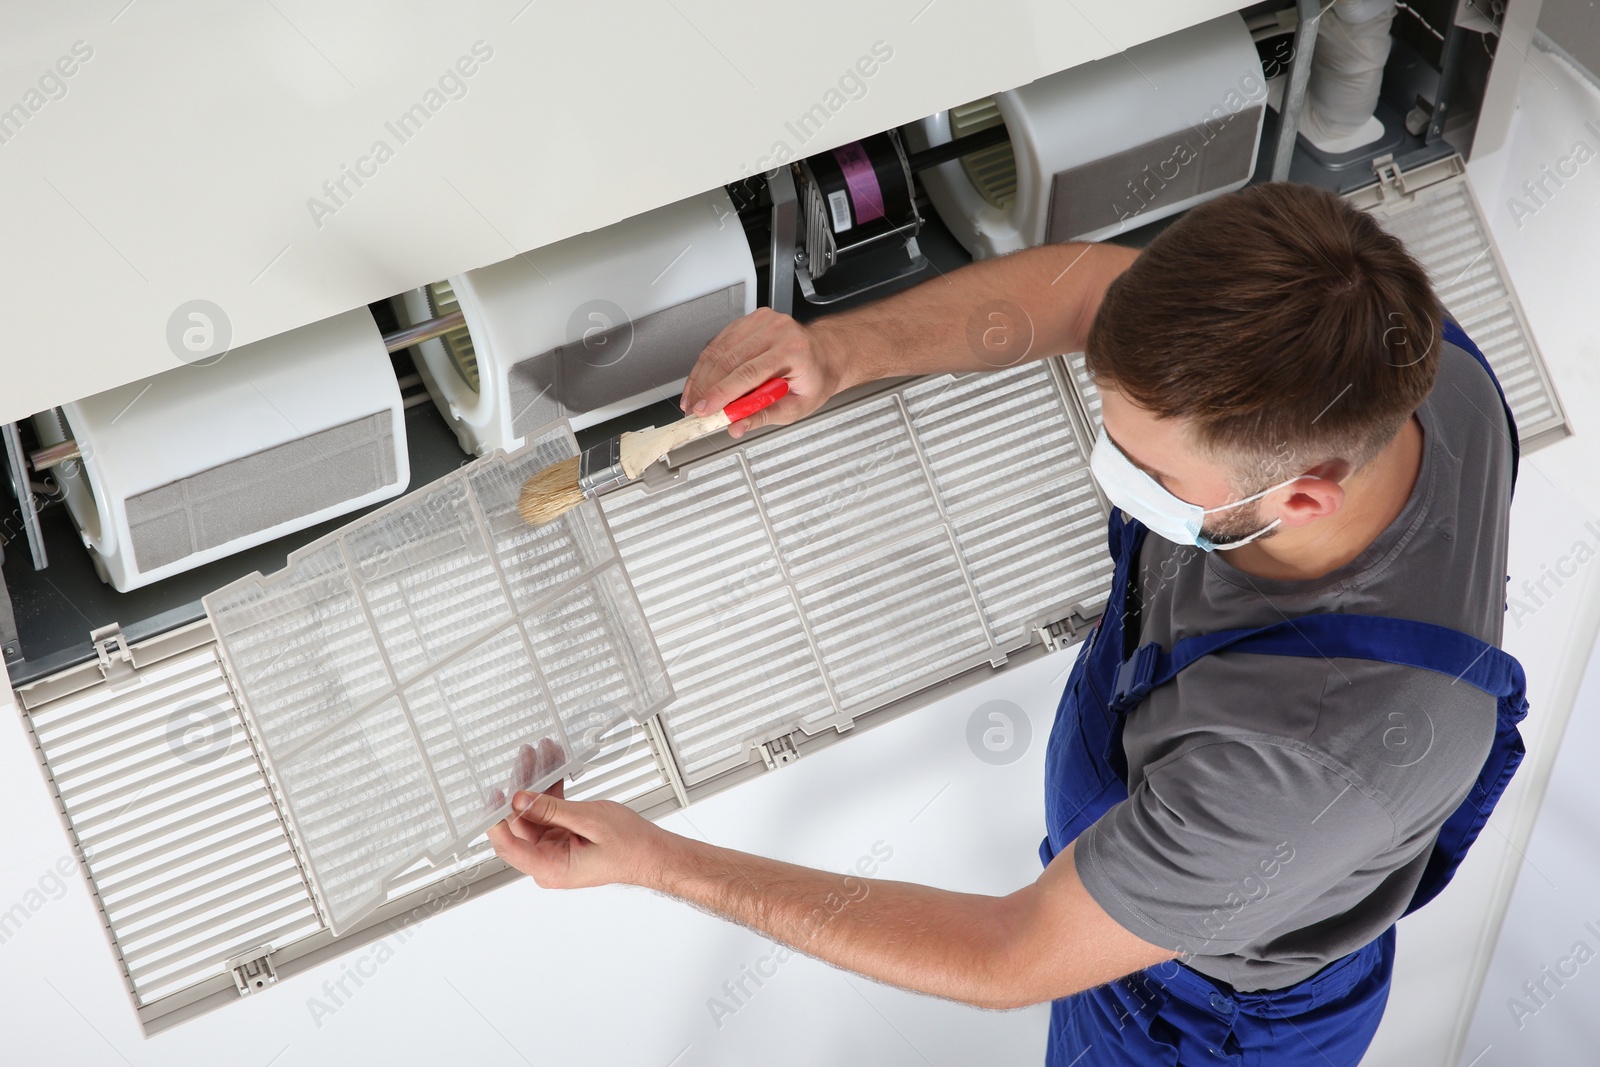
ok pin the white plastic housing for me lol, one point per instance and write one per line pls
(520, 311)
(1169, 87)
(199, 433)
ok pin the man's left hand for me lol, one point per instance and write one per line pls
(572, 844)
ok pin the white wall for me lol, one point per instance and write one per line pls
(1557, 891)
(1551, 936)
(1445, 949)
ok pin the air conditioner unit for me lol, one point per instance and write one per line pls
(1103, 147)
(208, 459)
(587, 328)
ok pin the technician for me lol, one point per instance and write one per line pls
(1292, 719)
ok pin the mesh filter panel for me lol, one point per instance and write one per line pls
(1443, 227)
(407, 673)
(262, 490)
(1084, 381)
(1103, 193)
(181, 839)
(806, 578)
(620, 361)
(841, 485)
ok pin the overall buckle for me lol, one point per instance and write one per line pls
(1135, 677)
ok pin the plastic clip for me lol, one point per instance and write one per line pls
(1135, 677)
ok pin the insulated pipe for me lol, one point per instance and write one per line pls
(1347, 73)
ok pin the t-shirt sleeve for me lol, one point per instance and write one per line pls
(1228, 842)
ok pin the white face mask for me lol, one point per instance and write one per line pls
(1147, 500)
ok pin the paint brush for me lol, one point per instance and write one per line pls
(562, 486)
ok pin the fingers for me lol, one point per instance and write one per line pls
(742, 379)
(532, 764)
(550, 756)
(495, 799)
(530, 830)
(542, 859)
(771, 346)
(520, 854)
(525, 768)
(544, 809)
(785, 411)
(535, 833)
(722, 353)
(536, 847)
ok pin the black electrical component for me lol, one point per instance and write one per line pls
(858, 219)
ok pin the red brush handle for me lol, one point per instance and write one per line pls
(760, 397)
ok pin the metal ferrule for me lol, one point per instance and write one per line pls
(600, 468)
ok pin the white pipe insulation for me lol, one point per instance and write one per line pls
(1346, 74)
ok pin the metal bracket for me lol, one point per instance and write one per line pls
(10, 640)
(27, 503)
(779, 752)
(916, 263)
(252, 971)
(116, 658)
(1064, 633)
(785, 213)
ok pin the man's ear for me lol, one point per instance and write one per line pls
(1315, 496)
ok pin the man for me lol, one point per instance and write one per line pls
(1290, 722)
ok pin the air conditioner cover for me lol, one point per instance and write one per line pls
(590, 327)
(1112, 144)
(208, 459)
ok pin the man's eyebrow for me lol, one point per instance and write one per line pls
(1148, 470)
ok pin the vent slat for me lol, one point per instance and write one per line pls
(176, 838)
(841, 579)
(1444, 228)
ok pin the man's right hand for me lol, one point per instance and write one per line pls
(763, 345)
(927, 329)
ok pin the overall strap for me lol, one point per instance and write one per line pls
(1456, 336)
(1332, 636)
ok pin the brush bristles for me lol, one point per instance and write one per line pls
(551, 493)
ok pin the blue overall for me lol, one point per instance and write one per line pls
(1170, 1013)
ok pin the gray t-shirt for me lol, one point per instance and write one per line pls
(1281, 809)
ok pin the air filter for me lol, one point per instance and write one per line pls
(1105, 146)
(803, 579)
(587, 328)
(1443, 226)
(402, 677)
(205, 460)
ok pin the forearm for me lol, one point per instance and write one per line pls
(1044, 941)
(960, 946)
(1029, 305)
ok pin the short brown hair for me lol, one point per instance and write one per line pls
(1288, 326)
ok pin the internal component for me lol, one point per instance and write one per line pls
(859, 219)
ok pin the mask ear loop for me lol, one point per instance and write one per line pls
(1256, 496)
(1214, 547)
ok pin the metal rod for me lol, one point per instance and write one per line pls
(961, 146)
(55, 455)
(1294, 89)
(423, 331)
(1450, 57)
